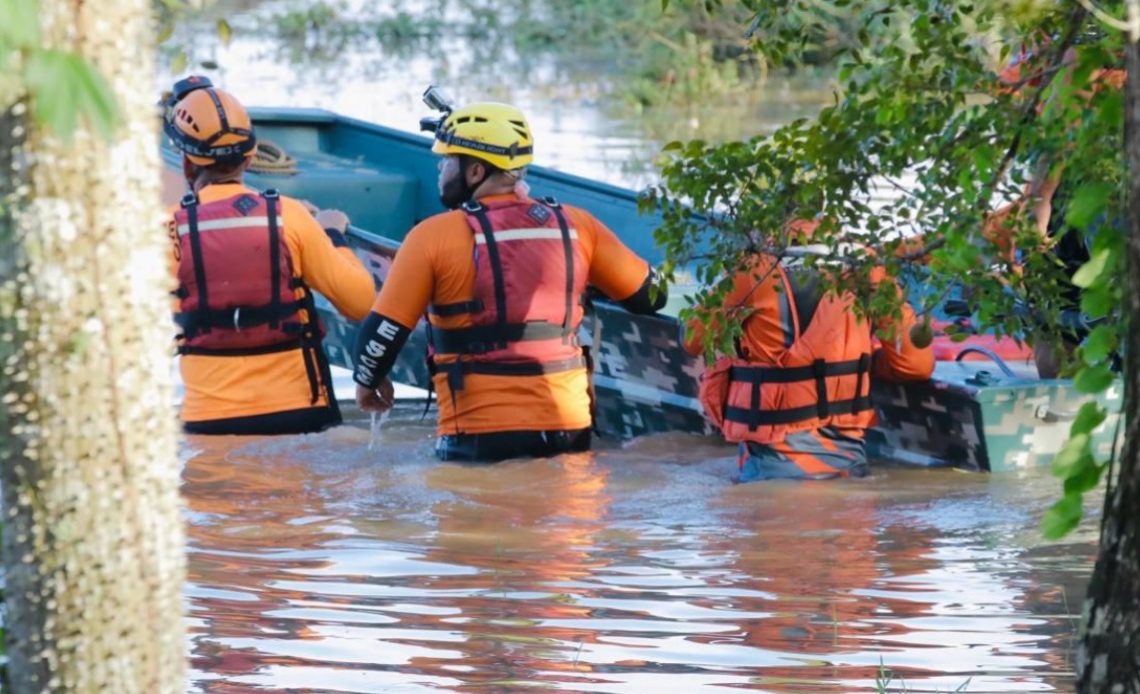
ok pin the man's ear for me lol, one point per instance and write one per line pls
(476, 173)
(189, 171)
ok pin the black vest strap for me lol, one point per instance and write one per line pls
(458, 308)
(568, 251)
(755, 417)
(457, 370)
(480, 214)
(237, 318)
(792, 374)
(481, 339)
(270, 197)
(190, 204)
(244, 352)
(818, 371)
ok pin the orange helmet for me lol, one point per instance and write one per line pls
(209, 125)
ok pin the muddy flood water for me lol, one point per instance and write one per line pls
(318, 565)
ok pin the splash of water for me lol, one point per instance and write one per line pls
(376, 437)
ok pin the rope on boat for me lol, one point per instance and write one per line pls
(271, 158)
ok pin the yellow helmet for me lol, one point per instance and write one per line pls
(496, 133)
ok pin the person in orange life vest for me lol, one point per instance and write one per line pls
(796, 395)
(502, 277)
(247, 263)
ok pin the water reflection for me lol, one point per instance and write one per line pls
(316, 565)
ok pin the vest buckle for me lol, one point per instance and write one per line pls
(237, 319)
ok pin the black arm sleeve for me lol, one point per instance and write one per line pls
(377, 346)
(641, 301)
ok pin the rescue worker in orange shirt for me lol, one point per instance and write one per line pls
(796, 395)
(502, 277)
(247, 265)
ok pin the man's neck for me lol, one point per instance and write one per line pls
(206, 180)
(493, 187)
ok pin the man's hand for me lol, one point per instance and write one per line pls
(379, 399)
(333, 219)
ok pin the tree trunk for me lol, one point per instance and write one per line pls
(93, 540)
(1108, 659)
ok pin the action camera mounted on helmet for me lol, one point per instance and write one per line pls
(436, 101)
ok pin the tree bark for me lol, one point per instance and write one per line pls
(1108, 658)
(93, 539)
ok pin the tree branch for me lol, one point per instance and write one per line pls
(1105, 18)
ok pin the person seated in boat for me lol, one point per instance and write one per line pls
(795, 395)
(501, 276)
(247, 263)
(1044, 200)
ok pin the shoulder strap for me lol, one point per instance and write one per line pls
(568, 252)
(270, 196)
(190, 204)
(480, 213)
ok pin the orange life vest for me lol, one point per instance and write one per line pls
(822, 379)
(237, 292)
(530, 274)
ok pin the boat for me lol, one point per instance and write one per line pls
(978, 411)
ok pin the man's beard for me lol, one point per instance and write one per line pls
(455, 192)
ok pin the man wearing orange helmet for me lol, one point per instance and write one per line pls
(501, 277)
(247, 265)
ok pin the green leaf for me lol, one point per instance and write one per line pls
(65, 87)
(1089, 417)
(1062, 517)
(1091, 271)
(55, 105)
(1099, 345)
(20, 26)
(1070, 455)
(1088, 201)
(1097, 302)
(178, 63)
(225, 32)
(1093, 379)
(1084, 478)
(1110, 112)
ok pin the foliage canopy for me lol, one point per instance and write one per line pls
(927, 163)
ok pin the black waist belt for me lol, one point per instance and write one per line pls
(754, 418)
(243, 351)
(481, 339)
(518, 368)
(236, 318)
(792, 374)
(457, 370)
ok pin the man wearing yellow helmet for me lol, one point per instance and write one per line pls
(247, 264)
(501, 277)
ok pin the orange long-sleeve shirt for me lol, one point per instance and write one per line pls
(434, 264)
(222, 387)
